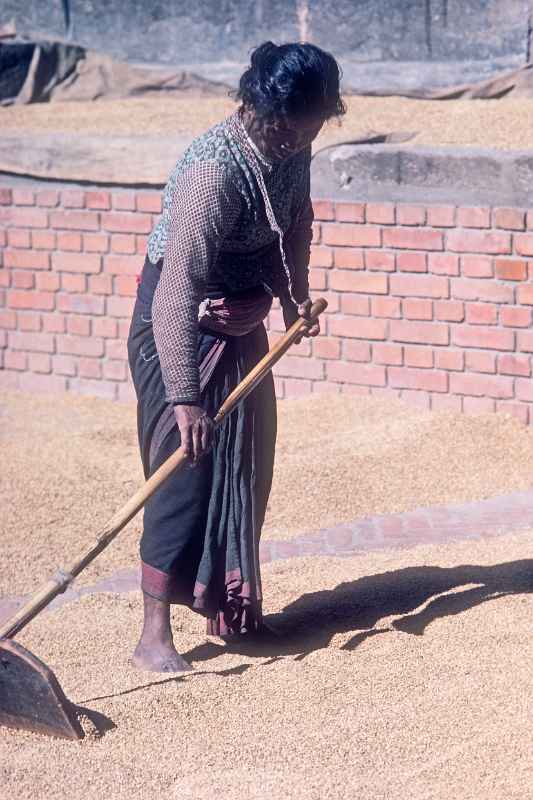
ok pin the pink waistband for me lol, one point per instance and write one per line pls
(236, 316)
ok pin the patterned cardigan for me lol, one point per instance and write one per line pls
(231, 218)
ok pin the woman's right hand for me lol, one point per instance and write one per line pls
(196, 430)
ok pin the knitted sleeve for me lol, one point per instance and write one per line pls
(205, 207)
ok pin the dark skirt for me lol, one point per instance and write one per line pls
(200, 541)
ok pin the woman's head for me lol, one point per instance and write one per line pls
(288, 92)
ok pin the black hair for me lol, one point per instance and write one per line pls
(291, 80)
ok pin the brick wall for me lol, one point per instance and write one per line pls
(429, 304)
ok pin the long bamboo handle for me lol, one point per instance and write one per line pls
(59, 582)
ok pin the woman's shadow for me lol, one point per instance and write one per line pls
(309, 623)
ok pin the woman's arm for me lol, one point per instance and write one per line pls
(205, 207)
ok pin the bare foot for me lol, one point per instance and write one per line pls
(159, 657)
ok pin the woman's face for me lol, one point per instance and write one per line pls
(281, 138)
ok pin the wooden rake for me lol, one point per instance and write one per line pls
(30, 695)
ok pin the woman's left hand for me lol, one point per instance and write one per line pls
(291, 313)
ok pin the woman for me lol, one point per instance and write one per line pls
(235, 231)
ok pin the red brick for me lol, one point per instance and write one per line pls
(510, 364)
(43, 240)
(94, 388)
(115, 370)
(116, 349)
(5, 277)
(497, 386)
(24, 217)
(18, 237)
(297, 388)
(73, 198)
(380, 260)
(26, 259)
(481, 314)
(387, 353)
(415, 239)
(419, 332)
(418, 379)
(98, 200)
(446, 402)
(411, 262)
(64, 365)
(347, 235)
(518, 410)
(418, 357)
(44, 301)
(359, 328)
(364, 374)
(6, 197)
(353, 350)
(473, 217)
(22, 280)
(142, 246)
(47, 281)
(513, 219)
(524, 389)
(346, 258)
(319, 257)
(127, 223)
(449, 359)
(323, 209)
(80, 303)
(300, 367)
(441, 216)
(358, 282)
(317, 280)
(449, 311)
(77, 262)
(39, 342)
(529, 220)
(123, 201)
(488, 291)
(105, 327)
(96, 242)
(40, 362)
(123, 265)
(350, 212)
(16, 361)
(388, 307)
(477, 267)
(410, 215)
(75, 220)
(480, 361)
(478, 405)
(417, 309)
(355, 304)
(89, 368)
(70, 241)
(515, 317)
(48, 198)
(23, 197)
(484, 338)
(73, 283)
(419, 286)
(126, 393)
(126, 285)
(525, 341)
(326, 388)
(101, 284)
(324, 347)
(524, 295)
(78, 326)
(54, 323)
(123, 243)
(443, 264)
(471, 241)
(8, 319)
(150, 202)
(120, 306)
(80, 345)
(508, 269)
(523, 244)
(29, 321)
(317, 233)
(381, 213)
